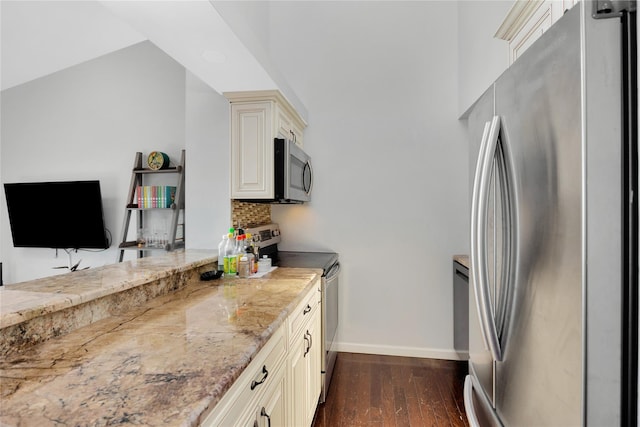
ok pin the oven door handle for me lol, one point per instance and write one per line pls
(333, 271)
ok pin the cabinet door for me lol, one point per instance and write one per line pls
(532, 30)
(252, 151)
(298, 381)
(298, 135)
(540, 20)
(272, 409)
(245, 416)
(313, 356)
(284, 124)
(305, 371)
(287, 128)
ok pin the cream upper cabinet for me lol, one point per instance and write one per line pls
(252, 133)
(288, 128)
(256, 119)
(527, 20)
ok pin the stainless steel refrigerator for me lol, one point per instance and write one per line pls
(553, 286)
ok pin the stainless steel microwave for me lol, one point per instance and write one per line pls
(292, 173)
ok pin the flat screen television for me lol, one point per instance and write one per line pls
(61, 215)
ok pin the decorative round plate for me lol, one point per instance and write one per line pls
(158, 160)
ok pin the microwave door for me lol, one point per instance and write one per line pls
(298, 175)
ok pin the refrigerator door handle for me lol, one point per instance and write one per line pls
(477, 408)
(468, 402)
(505, 177)
(480, 268)
(475, 224)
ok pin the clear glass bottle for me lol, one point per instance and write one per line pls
(243, 267)
(248, 249)
(222, 247)
(252, 249)
(233, 257)
(229, 252)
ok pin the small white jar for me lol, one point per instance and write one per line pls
(264, 264)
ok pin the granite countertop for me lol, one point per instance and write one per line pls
(166, 362)
(23, 301)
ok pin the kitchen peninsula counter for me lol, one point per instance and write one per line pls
(166, 362)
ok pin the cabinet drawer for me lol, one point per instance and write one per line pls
(304, 311)
(252, 383)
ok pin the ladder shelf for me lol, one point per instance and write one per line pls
(173, 240)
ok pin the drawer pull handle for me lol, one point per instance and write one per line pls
(309, 339)
(255, 383)
(264, 414)
(307, 309)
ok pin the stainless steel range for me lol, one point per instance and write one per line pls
(267, 238)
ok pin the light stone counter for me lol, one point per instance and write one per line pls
(23, 301)
(462, 259)
(166, 362)
(35, 311)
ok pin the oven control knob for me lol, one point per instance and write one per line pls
(275, 233)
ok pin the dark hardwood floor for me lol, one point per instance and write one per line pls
(374, 390)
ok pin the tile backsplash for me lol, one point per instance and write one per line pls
(249, 214)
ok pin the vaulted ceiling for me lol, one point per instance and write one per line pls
(42, 37)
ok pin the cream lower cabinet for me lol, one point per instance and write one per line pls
(261, 385)
(272, 411)
(269, 410)
(281, 386)
(304, 360)
(256, 119)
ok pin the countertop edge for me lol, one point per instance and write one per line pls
(61, 300)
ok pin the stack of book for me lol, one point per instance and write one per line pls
(155, 196)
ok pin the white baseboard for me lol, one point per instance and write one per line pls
(387, 350)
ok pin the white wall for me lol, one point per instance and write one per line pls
(481, 57)
(87, 122)
(379, 80)
(1, 186)
(207, 146)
